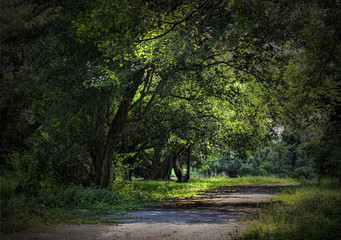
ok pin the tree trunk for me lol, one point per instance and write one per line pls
(116, 128)
(128, 163)
(189, 159)
(104, 152)
(103, 174)
(171, 162)
(177, 169)
(166, 168)
(96, 145)
(156, 161)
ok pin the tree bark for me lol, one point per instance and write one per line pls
(128, 163)
(96, 145)
(177, 169)
(189, 159)
(166, 168)
(156, 161)
(171, 162)
(176, 166)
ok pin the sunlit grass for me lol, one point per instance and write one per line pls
(309, 211)
(160, 190)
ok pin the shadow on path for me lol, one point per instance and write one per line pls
(218, 206)
(213, 215)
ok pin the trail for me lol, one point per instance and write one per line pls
(211, 216)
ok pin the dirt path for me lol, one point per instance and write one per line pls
(211, 216)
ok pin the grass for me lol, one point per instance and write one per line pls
(309, 211)
(77, 204)
(162, 190)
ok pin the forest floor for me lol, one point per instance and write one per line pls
(214, 215)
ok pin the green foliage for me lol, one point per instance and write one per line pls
(310, 211)
(28, 176)
(326, 152)
(19, 213)
(85, 81)
(78, 197)
(24, 25)
(78, 204)
(285, 157)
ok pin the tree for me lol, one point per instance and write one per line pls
(22, 30)
(151, 44)
(312, 78)
(118, 73)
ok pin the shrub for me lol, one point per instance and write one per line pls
(77, 196)
(19, 213)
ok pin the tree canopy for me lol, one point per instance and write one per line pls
(90, 85)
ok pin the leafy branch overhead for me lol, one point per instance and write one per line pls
(104, 83)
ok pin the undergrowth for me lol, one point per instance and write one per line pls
(309, 211)
(78, 204)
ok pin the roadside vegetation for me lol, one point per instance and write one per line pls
(311, 210)
(78, 204)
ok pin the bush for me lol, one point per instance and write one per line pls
(20, 212)
(77, 196)
(28, 176)
(304, 172)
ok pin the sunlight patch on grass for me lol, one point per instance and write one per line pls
(309, 211)
(161, 190)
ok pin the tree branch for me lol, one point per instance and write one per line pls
(175, 24)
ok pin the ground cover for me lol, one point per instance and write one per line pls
(213, 215)
(77, 204)
(311, 210)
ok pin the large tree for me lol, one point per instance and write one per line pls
(146, 44)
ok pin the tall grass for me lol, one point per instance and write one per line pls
(310, 211)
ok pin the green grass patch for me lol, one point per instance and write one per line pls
(309, 211)
(161, 190)
(78, 204)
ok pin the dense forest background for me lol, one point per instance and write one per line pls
(93, 91)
